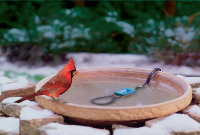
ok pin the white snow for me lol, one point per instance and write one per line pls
(195, 110)
(93, 60)
(190, 80)
(151, 40)
(68, 11)
(140, 131)
(16, 34)
(110, 19)
(1, 72)
(171, 123)
(49, 34)
(21, 83)
(127, 28)
(198, 90)
(28, 113)
(59, 129)
(188, 36)
(177, 123)
(15, 31)
(56, 21)
(180, 31)
(172, 42)
(162, 28)
(4, 80)
(169, 33)
(150, 21)
(37, 19)
(9, 124)
(11, 100)
(45, 28)
(80, 32)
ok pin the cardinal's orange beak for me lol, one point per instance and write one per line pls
(75, 72)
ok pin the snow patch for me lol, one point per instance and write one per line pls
(177, 123)
(110, 19)
(169, 33)
(198, 90)
(172, 123)
(59, 129)
(44, 28)
(93, 60)
(37, 19)
(21, 83)
(80, 32)
(4, 80)
(195, 110)
(68, 11)
(28, 113)
(15, 31)
(188, 36)
(1, 73)
(127, 28)
(140, 131)
(7, 123)
(150, 21)
(11, 100)
(56, 22)
(49, 34)
(180, 31)
(190, 80)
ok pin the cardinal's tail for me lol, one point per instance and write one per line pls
(29, 96)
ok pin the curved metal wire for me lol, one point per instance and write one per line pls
(93, 101)
(153, 72)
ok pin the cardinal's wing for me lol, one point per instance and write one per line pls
(55, 82)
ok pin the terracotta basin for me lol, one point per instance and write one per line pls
(85, 114)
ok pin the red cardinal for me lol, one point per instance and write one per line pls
(57, 85)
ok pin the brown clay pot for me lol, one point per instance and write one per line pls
(102, 114)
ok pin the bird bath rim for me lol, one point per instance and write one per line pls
(175, 104)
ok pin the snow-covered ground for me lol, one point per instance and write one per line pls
(169, 124)
(93, 60)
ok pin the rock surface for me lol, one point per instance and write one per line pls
(21, 92)
(193, 111)
(12, 109)
(30, 123)
(196, 95)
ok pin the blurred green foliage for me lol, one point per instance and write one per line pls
(104, 26)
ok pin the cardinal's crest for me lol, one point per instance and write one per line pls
(70, 65)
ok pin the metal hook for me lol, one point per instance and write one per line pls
(153, 72)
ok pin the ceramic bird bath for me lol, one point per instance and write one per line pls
(165, 95)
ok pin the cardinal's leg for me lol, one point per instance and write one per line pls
(62, 100)
(58, 99)
(54, 99)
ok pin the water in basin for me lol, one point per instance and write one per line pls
(152, 94)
